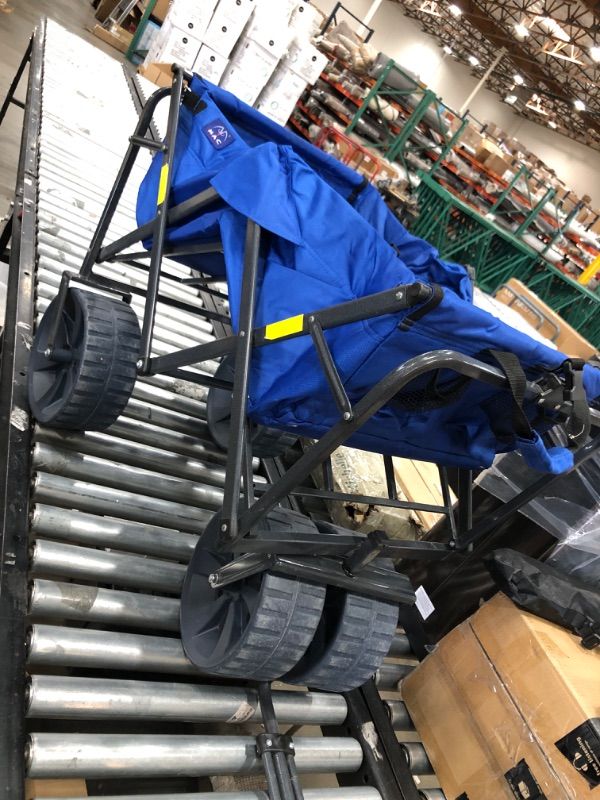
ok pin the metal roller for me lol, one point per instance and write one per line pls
(94, 698)
(388, 676)
(347, 793)
(92, 649)
(55, 600)
(165, 324)
(59, 491)
(416, 758)
(400, 646)
(110, 473)
(78, 527)
(79, 755)
(103, 445)
(399, 716)
(146, 433)
(164, 418)
(55, 559)
(163, 338)
(426, 794)
(49, 272)
(179, 388)
(170, 400)
(172, 441)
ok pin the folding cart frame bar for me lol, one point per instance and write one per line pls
(344, 560)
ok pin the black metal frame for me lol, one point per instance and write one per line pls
(15, 433)
(332, 18)
(343, 560)
(384, 764)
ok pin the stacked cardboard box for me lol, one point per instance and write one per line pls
(260, 50)
(301, 65)
(493, 157)
(508, 706)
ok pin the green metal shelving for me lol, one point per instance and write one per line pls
(462, 234)
(397, 140)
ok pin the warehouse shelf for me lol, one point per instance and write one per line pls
(531, 216)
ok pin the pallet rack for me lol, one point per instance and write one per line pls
(501, 227)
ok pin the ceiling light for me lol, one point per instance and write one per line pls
(552, 124)
(579, 105)
(447, 49)
(518, 79)
(521, 30)
(595, 53)
(511, 99)
(455, 10)
(473, 61)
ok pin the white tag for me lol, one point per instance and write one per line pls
(424, 604)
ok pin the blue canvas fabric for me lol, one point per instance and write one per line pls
(322, 251)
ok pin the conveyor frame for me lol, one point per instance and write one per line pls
(15, 430)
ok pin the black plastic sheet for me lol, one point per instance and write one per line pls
(541, 589)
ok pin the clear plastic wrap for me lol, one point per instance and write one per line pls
(569, 510)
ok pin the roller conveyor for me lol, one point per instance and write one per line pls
(94, 555)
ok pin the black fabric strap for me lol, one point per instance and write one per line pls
(353, 196)
(193, 101)
(517, 383)
(578, 424)
(436, 298)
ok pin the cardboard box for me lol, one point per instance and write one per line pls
(271, 33)
(459, 755)
(173, 45)
(494, 703)
(249, 71)
(191, 15)
(117, 37)
(568, 339)
(595, 226)
(493, 158)
(513, 750)
(209, 64)
(161, 9)
(55, 787)
(104, 8)
(158, 73)
(486, 149)
(305, 60)
(554, 682)
(499, 165)
(279, 97)
(228, 21)
(305, 19)
(471, 138)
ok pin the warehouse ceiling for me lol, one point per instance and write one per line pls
(551, 68)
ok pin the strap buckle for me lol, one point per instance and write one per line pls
(577, 426)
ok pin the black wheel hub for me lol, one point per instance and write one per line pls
(213, 620)
(52, 375)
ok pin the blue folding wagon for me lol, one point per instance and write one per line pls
(338, 326)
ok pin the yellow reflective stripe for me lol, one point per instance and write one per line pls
(284, 327)
(162, 184)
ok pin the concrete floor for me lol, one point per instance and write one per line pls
(15, 30)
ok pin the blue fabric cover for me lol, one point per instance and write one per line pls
(325, 251)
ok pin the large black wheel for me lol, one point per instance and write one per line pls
(257, 628)
(266, 442)
(88, 383)
(353, 637)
